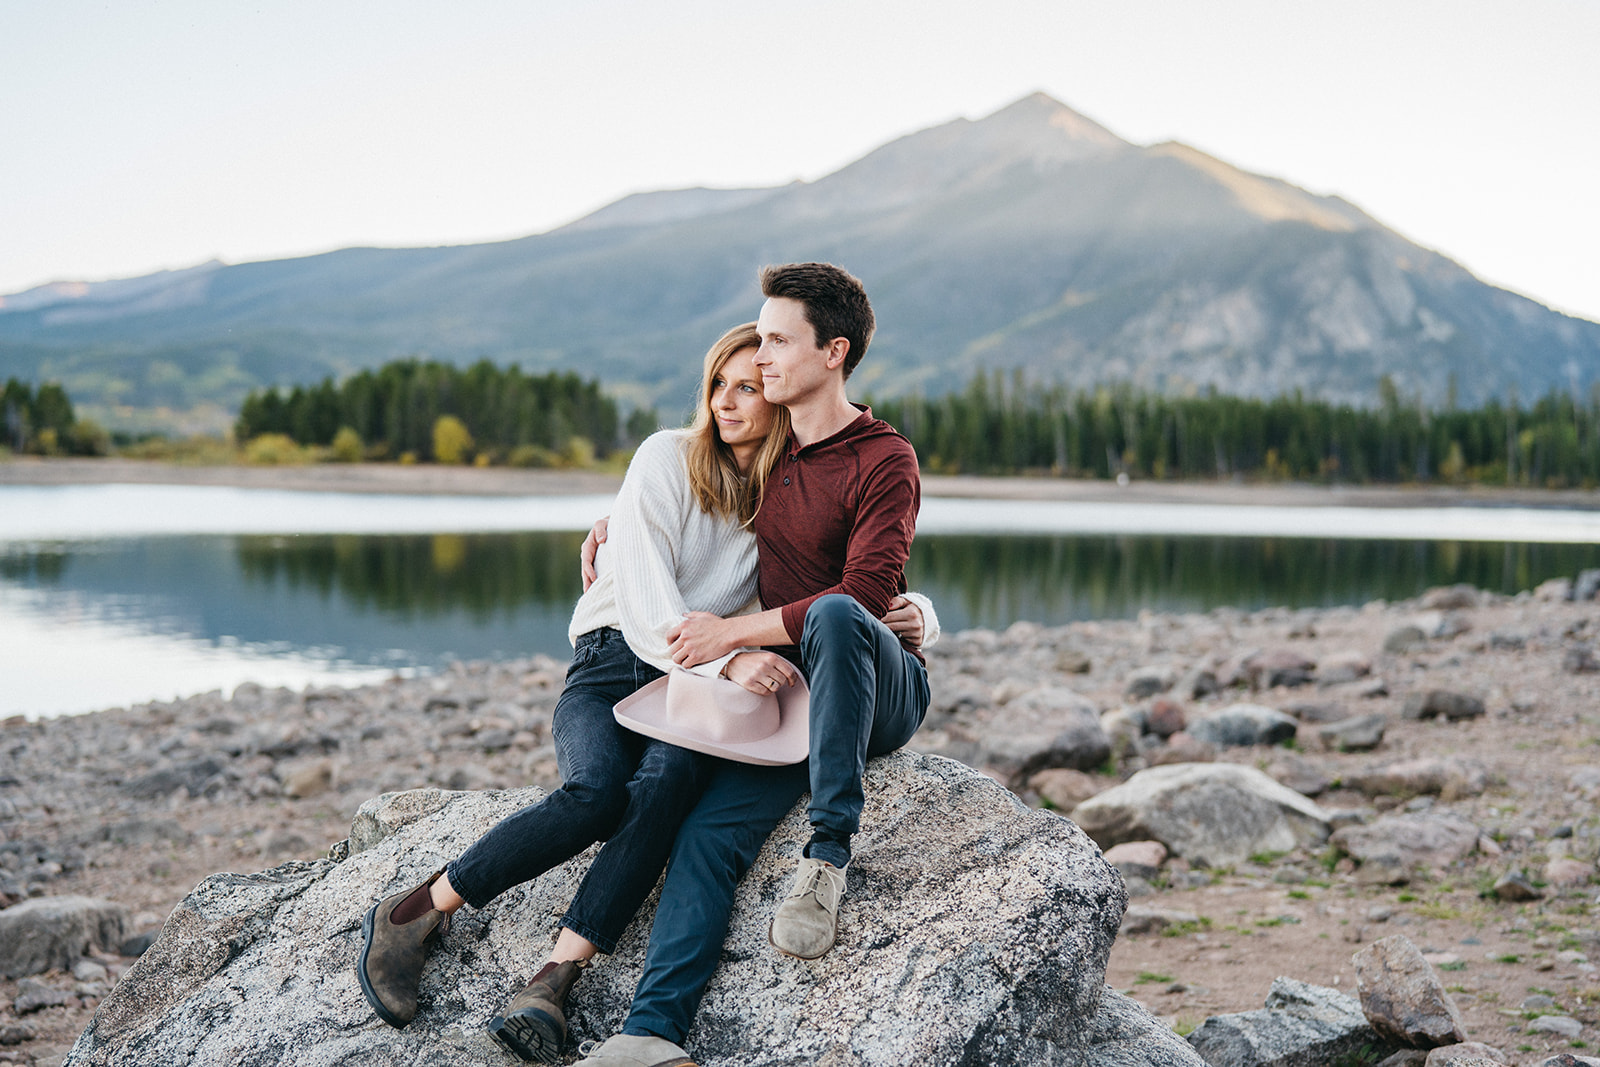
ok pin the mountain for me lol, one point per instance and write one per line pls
(1033, 238)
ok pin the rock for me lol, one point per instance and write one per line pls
(136, 945)
(193, 777)
(1059, 727)
(1238, 725)
(1585, 780)
(1434, 702)
(1300, 774)
(1466, 1054)
(1587, 585)
(1553, 590)
(1273, 667)
(1137, 859)
(51, 933)
(1181, 747)
(1451, 777)
(1564, 871)
(1065, 788)
(1354, 735)
(1317, 713)
(1406, 1057)
(17, 1033)
(1124, 1034)
(1403, 998)
(1405, 842)
(1165, 718)
(1196, 684)
(383, 815)
(308, 780)
(1147, 682)
(1340, 667)
(33, 995)
(272, 953)
(1302, 1025)
(1370, 688)
(1561, 1025)
(1072, 661)
(1580, 659)
(1567, 1059)
(1124, 729)
(1450, 598)
(1440, 625)
(1141, 920)
(1514, 886)
(1211, 814)
(1403, 639)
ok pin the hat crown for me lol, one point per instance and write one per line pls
(719, 710)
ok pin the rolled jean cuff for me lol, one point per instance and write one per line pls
(464, 887)
(600, 941)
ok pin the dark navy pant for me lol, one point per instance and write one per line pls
(618, 786)
(868, 696)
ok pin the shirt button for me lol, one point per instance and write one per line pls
(786, 481)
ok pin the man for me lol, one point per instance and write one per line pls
(834, 533)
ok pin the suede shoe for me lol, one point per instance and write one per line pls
(628, 1050)
(390, 966)
(807, 922)
(534, 1024)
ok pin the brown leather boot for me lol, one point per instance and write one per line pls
(390, 965)
(534, 1024)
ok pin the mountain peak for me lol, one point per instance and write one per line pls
(1042, 111)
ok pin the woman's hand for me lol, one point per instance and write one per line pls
(700, 638)
(591, 546)
(904, 619)
(760, 672)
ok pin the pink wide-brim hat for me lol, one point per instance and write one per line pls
(723, 718)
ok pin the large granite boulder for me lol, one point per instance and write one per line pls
(975, 931)
(1211, 814)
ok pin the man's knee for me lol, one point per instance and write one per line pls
(835, 616)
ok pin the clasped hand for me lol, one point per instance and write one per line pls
(700, 637)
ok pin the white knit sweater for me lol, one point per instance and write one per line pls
(663, 556)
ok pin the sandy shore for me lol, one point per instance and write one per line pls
(501, 481)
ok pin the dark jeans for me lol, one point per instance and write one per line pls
(618, 786)
(868, 696)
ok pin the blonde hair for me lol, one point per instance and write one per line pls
(714, 476)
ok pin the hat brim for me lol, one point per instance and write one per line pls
(644, 712)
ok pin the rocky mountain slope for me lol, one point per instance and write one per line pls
(1032, 238)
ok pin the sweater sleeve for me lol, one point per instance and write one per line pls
(647, 537)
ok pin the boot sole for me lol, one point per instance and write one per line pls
(532, 1035)
(361, 974)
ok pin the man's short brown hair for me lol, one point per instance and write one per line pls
(836, 303)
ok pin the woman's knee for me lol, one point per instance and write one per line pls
(599, 803)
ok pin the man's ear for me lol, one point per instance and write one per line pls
(838, 349)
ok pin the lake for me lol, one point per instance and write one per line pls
(111, 595)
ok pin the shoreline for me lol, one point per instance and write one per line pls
(431, 480)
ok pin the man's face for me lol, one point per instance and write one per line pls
(792, 366)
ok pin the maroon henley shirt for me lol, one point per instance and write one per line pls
(838, 516)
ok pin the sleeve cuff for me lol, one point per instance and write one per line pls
(712, 668)
(930, 618)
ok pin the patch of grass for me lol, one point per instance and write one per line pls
(1457, 988)
(1279, 920)
(1184, 929)
(1184, 1025)
(1318, 883)
(1330, 857)
(1507, 957)
(1267, 857)
(1438, 911)
(1453, 965)
(1299, 894)
(1154, 976)
(1526, 1048)
(1406, 898)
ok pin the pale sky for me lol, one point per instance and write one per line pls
(137, 135)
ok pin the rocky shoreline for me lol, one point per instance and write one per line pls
(1440, 757)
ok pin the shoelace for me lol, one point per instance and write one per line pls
(587, 1047)
(813, 887)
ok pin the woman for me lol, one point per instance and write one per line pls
(679, 541)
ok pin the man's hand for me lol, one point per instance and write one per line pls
(591, 546)
(761, 672)
(700, 637)
(904, 619)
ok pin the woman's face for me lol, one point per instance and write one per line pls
(742, 414)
